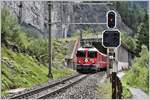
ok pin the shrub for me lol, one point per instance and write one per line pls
(138, 76)
(9, 24)
(129, 41)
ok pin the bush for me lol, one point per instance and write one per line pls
(9, 25)
(128, 41)
(138, 76)
(11, 31)
(87, 32)
(39, 48)
(126, 92)
(22, 40)
(22, 69)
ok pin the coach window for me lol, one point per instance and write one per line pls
(103, 58)
(81, 54)
(92, 54)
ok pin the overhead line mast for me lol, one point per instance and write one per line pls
(50, 44)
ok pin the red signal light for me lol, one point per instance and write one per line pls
(111, 19)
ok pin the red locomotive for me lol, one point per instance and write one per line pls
(90, 59)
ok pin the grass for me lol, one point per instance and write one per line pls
(21, 70)
(61, 49)
(24, 71)
(104, 90)
(126, 92)
(138, 75)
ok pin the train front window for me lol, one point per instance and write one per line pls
(81, 54)
(92, 54)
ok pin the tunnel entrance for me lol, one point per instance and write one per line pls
(97, 43)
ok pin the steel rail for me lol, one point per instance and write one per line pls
(38, 90)
(65, 86)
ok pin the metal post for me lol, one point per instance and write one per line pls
(108, 66)
(49, 45)
(80, 29)
(114, 85)
(61, 16)
(114, 75)
(20, 12)
(80, 34)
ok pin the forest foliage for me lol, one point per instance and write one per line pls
(138, 76)
(136, 17)
(12, 34)
(131, 13)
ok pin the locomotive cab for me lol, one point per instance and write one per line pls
(86, 59)
(90, 60)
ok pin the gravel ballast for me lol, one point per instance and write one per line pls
(85, 89)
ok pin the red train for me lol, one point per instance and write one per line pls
(90, 59)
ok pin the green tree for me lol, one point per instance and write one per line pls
(129, 41)
(88, 31)
(138, 76)
(131, 13)
(39, 47)
(8, 25)
(22, 40)
(143, 34)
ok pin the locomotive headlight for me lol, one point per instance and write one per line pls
(92, 60)
(86, 60)
(79, 61)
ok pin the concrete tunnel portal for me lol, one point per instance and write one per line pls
(97, 43)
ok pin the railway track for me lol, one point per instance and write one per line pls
(50, 89)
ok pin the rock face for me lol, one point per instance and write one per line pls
(34, 14)
(28, 13)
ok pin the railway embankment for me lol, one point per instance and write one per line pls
(24, 56)
(24, 71)
(86, 89)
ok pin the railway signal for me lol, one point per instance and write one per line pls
(111, 38)
(111, 19)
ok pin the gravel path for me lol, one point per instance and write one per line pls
(86, 89)
(138, 94)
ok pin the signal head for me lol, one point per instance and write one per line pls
(111, 19)
(111, 38)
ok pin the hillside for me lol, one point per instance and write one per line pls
(24, 31)
(25, 56)
(132, 13)
(138, 75)
(22, 70)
